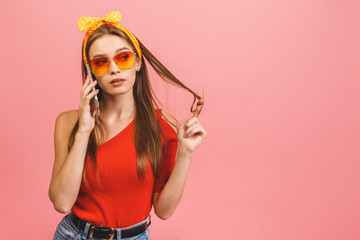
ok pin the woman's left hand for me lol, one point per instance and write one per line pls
(190, 134)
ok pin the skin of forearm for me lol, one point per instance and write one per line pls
(173, 190)
(66, 185)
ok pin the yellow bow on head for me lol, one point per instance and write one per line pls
(93, 23)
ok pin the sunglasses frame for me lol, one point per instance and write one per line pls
(112, 59)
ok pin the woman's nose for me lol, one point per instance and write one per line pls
(113, 67)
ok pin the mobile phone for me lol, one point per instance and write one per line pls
(95, 98)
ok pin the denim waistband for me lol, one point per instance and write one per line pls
(118, 230)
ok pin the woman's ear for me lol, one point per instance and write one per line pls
(138, 65)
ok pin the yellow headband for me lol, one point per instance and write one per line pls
(93, 23)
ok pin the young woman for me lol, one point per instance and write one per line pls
(114, 163)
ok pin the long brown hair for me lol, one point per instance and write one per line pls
(147, 131)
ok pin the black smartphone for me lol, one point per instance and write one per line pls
(95, 98)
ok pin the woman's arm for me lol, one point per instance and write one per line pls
(68, 166)
(167, 200)
(190, 135)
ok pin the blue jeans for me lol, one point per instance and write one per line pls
(67, 230)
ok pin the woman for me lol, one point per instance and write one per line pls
(112, 165)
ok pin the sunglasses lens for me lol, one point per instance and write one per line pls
(99, 66)
(125, 60)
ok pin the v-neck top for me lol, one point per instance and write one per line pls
(122, 199)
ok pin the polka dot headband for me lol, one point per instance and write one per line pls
(93, 23)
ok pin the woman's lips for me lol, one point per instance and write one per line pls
(117, 83)
(116, 79)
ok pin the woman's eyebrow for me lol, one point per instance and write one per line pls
(104, 55)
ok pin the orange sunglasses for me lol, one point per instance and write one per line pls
(101, 65)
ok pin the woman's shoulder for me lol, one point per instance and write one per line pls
(68, 118)
(71, 115)
(167, 119)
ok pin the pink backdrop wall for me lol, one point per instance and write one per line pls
(281, 85)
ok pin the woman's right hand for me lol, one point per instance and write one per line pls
(86, 115)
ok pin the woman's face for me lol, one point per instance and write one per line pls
(108, 46)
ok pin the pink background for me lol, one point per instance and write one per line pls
(281, 86)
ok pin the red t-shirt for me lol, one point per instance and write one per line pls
(123, 200)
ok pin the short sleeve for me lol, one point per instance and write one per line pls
(169, 155)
